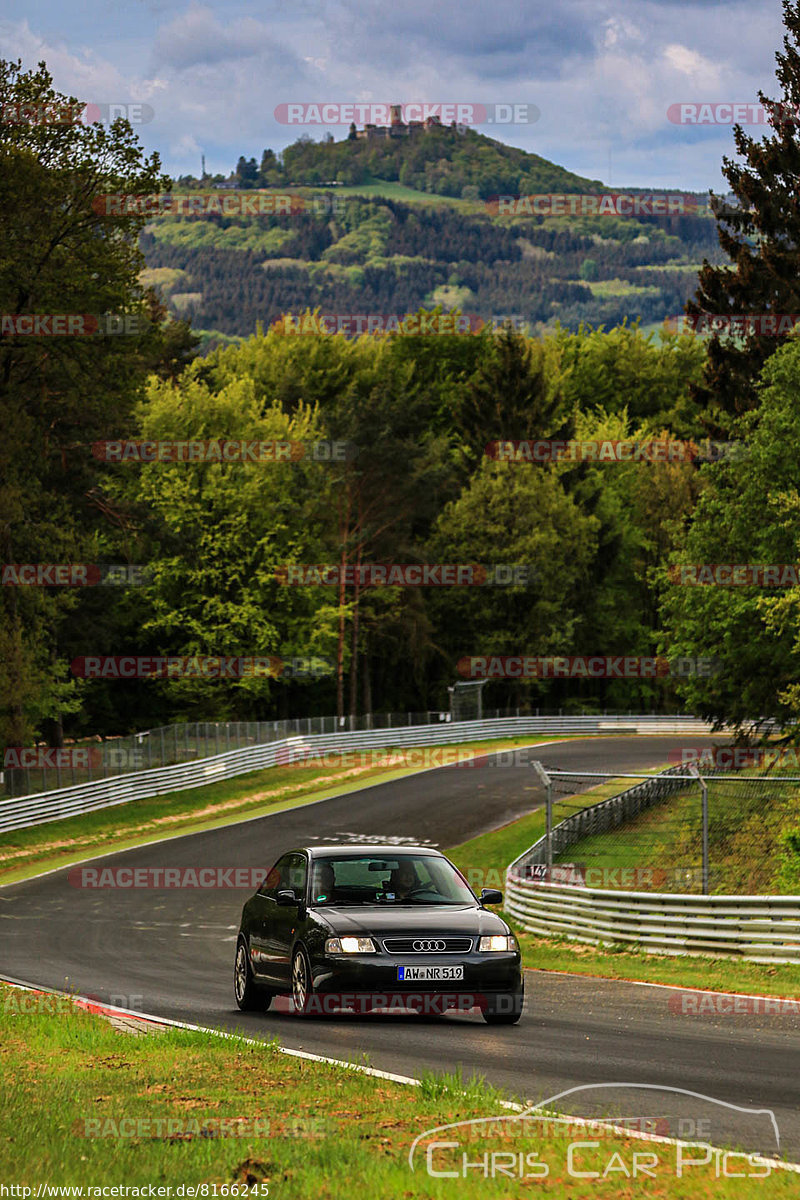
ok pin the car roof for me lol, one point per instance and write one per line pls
(335, 850)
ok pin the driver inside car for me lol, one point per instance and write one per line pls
(404, 879)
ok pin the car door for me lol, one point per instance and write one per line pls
(263, 910)
(288, 917)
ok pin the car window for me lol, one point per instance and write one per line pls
(296, 874)
(277, 876)
(369, 879)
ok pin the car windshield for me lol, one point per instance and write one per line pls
(375, 879)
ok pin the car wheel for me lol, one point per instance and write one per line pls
(249, 997)
(302, 987)
(504, 1010)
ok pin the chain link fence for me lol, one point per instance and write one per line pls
(716, 832)
(43, 770)
(171, 744)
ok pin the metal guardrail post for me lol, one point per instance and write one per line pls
(704, 805)
(545, 780)
(704, 786)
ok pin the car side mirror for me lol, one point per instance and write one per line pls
(491, 896)
(286, 898)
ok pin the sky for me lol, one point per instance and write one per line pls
(601, 73)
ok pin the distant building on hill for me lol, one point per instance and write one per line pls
(397, 127)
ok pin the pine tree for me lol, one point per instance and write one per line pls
(761, 237)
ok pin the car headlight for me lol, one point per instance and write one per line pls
(350, 945)
(498, 941)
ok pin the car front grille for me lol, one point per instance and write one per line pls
(427, 945)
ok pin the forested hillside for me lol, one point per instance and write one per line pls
(447, 161)
(381, 255)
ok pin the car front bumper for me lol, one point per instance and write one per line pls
(485, 974)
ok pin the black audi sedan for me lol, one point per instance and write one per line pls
(378, 928)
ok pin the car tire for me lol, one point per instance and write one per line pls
(248, 995)
(504, 1010)
(302, 985)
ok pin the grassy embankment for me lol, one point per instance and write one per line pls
(83, 1106)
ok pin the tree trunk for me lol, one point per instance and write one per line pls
(354, 646)
(366, 680)
(344, 525)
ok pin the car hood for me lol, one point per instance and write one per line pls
(408, 919)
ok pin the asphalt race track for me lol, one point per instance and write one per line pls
(170, 952)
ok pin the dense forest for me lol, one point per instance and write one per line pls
(227, 274)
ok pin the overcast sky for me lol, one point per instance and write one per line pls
(603, 73)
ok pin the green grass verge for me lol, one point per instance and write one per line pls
(26, 852)
(86, 1107)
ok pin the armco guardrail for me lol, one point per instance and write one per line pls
(103, 793)
(756, 928)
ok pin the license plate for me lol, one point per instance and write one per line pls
(424, 974)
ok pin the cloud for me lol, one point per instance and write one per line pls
(690, 63)
(197, 38)
(82, 73)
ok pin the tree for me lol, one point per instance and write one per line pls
(383, 496)
(623, 370)
(748, 514)
(247, 172)
(761, 237)
(214, 533)
(59, 394)
(515, 394)
(517, 515)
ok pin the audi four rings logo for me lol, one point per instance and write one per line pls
(428, 947)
